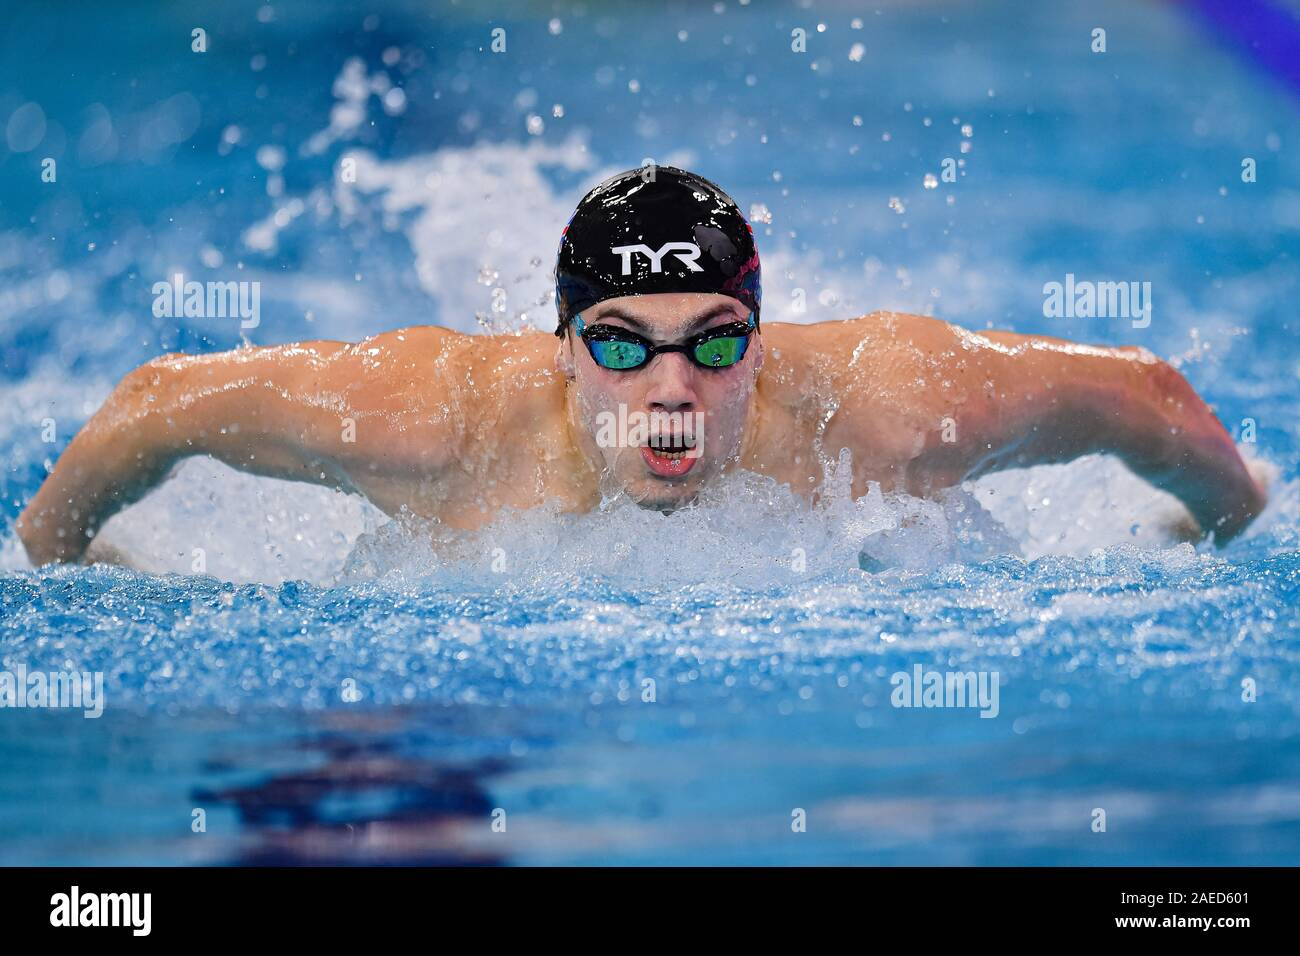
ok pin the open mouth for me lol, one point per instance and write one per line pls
(674, 448)
(670, 458)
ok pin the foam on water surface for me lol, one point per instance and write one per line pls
(539, 603)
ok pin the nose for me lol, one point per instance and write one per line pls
(672, 384)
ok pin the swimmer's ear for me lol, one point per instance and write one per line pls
(564, 358)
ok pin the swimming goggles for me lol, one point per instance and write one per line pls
(623, 351)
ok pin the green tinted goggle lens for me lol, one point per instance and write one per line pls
(617, 354)
(719, 353)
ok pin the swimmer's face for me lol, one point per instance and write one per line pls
(663, 430)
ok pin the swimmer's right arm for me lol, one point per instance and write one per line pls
(287, 412)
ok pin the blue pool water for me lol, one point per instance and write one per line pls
(337, 689)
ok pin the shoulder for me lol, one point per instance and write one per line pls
(883, 353)
(881, 382)
(418, 394)
(467, 380)
(413, 345)
(450, 351)
(863, 342)
(432, 359)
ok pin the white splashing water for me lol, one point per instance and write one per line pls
(746, 529)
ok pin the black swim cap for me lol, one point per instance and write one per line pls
(655, 229)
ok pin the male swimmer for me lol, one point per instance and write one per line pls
(658, 291)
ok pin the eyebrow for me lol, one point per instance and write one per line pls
(696, 323)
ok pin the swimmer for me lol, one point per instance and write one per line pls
(658, 292)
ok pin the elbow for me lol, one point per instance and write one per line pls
(1158, 379)
(155, 373)
(144, 411)
(152, 387)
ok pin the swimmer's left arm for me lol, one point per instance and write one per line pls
(1026, 400)
(935, 405)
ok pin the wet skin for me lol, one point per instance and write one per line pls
(456, 426)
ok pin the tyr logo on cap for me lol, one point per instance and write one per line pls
(689, 252)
